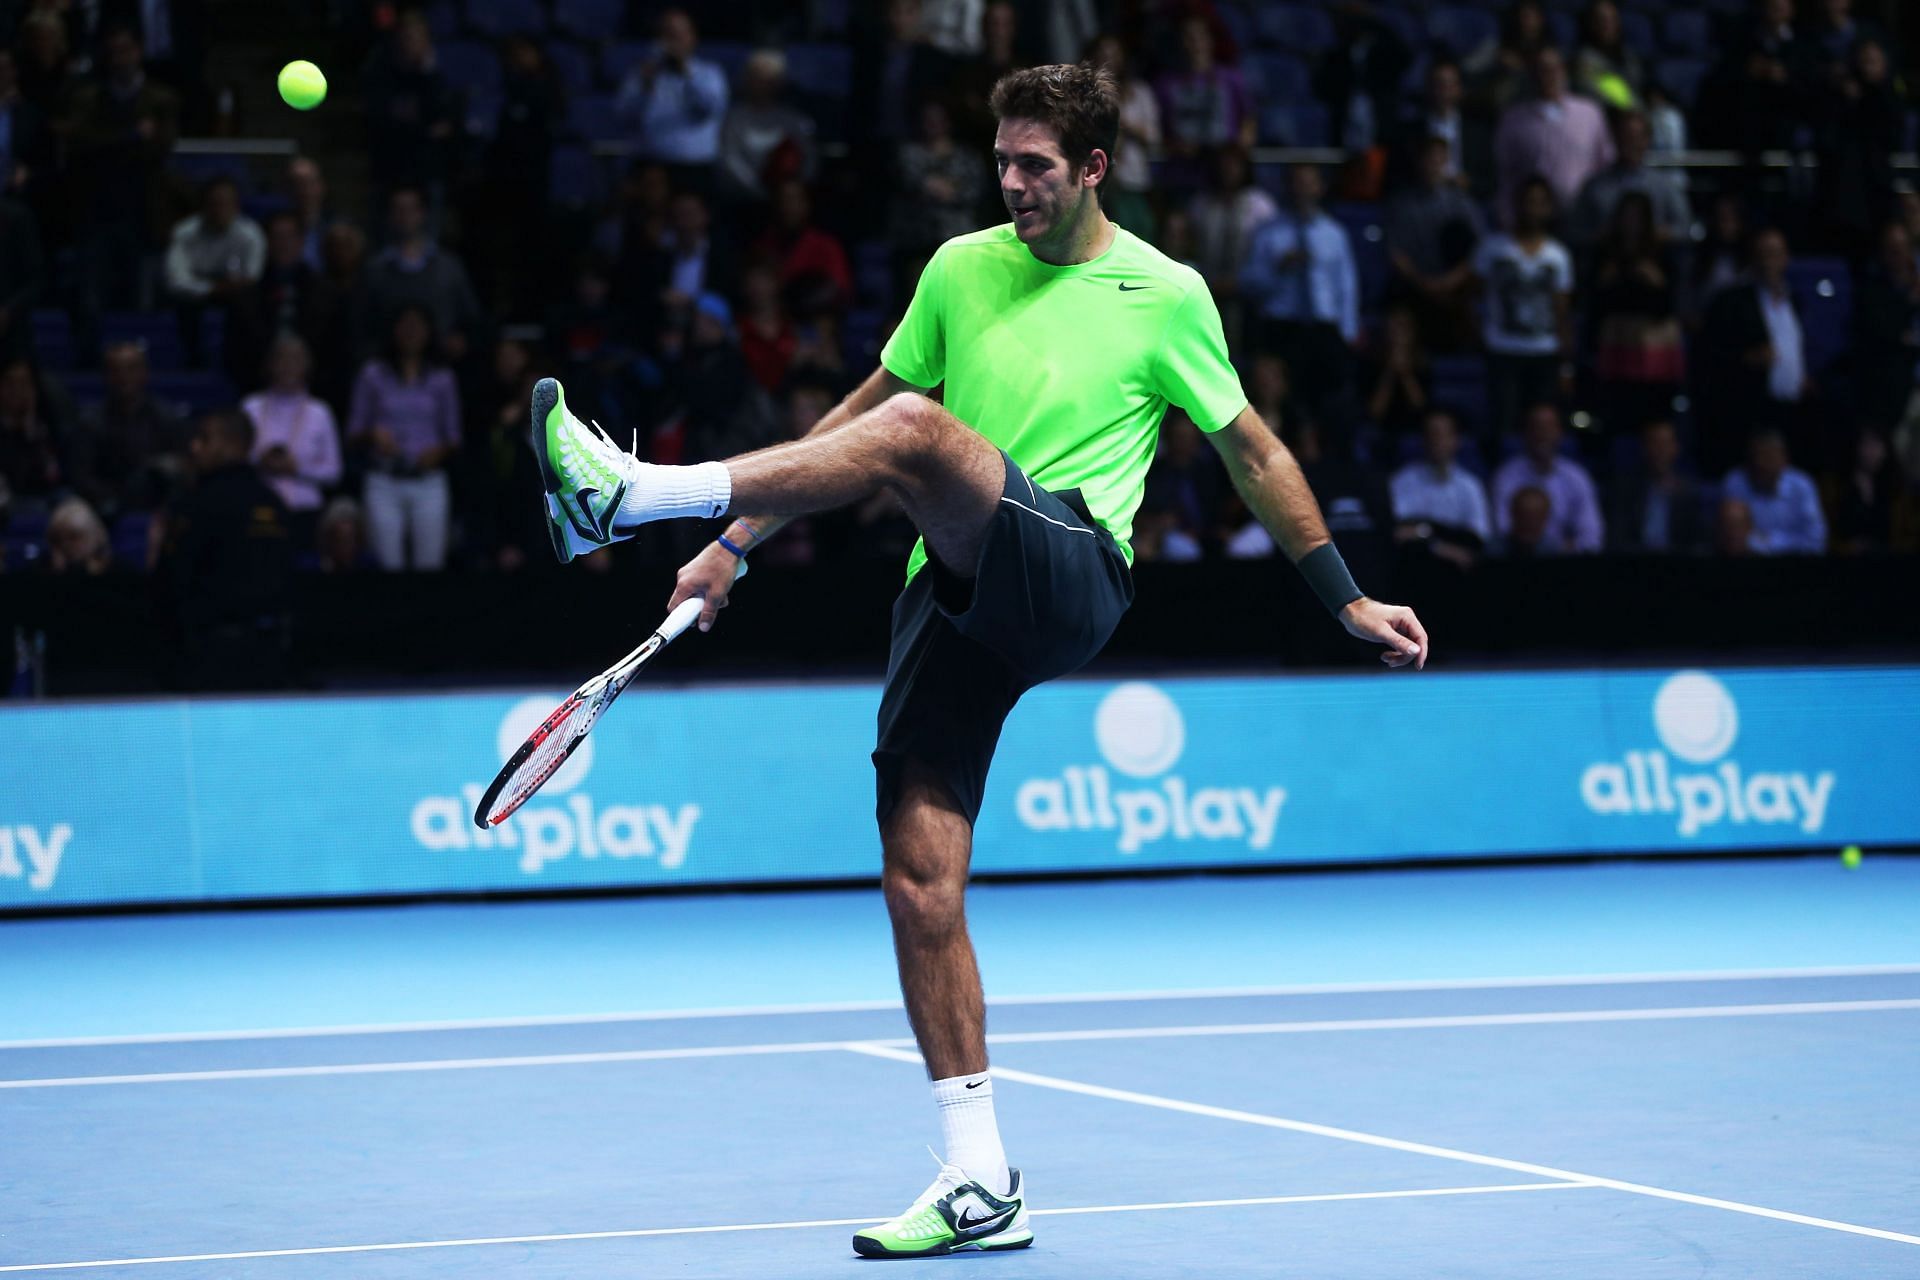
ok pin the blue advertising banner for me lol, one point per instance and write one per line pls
(319, 797)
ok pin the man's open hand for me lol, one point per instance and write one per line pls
(1393, 625)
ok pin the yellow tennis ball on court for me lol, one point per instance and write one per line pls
(302, 85)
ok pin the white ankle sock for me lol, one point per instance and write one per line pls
(969, 1130)
(702, 491)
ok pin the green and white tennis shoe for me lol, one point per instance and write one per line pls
(954, 1215)
(583, 471)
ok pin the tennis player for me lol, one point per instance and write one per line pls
(1059, 340)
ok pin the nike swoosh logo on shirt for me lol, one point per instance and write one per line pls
(1131, 288)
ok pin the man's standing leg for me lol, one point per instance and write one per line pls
(928, 843)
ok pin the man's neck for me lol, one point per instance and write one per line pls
(1091, 235)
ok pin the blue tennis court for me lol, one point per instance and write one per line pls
(1634, 1069)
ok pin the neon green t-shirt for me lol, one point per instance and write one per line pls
(1069, 369)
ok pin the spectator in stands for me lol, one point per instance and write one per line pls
(1499, 73)
(1666, 123)
(342, 538)
(1634, 318)
(227, 559)
(1440, 114)
(1720, 260)
(767, 335)
(502, 528)
(412, 111)
(1396, 380)
(414, 270)
(1753, 356)
(284, 300)
(123, 128)
(1126, 195)
(296, 444)
(1527, 525)
(1833, 33)
(1864, 496)
(953, 26)
(339, 314)
(675, 103)
(942, 185)
(1354, 499)
(406, 421)
(1358, 79)
(765, 140)
(1553, 135)
(814, 271)
(896, 74)
(1225, 214)
(307, 196)
(971, 82)
(77, 541)
(1862, 122)
(720, 410)
(1659, 507)
(1203, 104)
(1673, 216)
(1189, 487)
(1886, 328)
(1733, 528)
(45, 67)
(507, 225)
(1785, 504)
(1302, 293)
(22, 277)
(1432, 228)
(1527, 283)
(1605, 67)
(30, 467)
(593, 339)
(1435, 501)
(213, 258)
(1270, 389)
(1755, 98)
(26, 141)
(129, 452)
(1573, 522)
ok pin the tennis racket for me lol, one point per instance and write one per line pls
(557, 737)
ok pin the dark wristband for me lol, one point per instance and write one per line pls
(727, 542)
(1327, 574)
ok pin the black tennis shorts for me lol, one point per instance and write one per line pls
(1048, 590)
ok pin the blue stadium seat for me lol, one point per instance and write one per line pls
(1461, 30)
(507, 17)
(590, 116)
(1239, 25)
(1636, 31)
(470, 66)
(1294, 26)
(201, 168)
(1278, 76)
(572, 66)
(1300, 123)
(1403, 24)
(157, 331)
(1562, 30)
(820, 70)
(873, 270)
(197, 391)
(53, 338)
(1460, 382)
(1681, 77)
(1688, 32)
(128, 538)
(590, 19)
(576, 178)
(1369, 238)
(621, 56)
(1823, 288)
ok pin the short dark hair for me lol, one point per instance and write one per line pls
(235, 430)
(1078, 102)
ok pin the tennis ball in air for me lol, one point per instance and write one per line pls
(1850, 857)
(1614, 91)
(302, 85)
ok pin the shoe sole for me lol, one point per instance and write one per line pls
(1007, 1240)
(546, 397)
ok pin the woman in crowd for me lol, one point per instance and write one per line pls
(1639, 355)
(296, 443)
(406, 422)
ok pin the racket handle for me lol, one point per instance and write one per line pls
(688, 611)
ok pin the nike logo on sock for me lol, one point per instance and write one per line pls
(975, 1084)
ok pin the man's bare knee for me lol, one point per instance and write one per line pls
(919, 436)
(927, 845)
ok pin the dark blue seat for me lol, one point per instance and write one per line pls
(157, 331)
(1823, 289)
(1461, 29)
(590, 19)
(471, 66)
(1369, 240)
(572, 66)
(590, 116)
(820, 70)
(1681, 77)
(1460, 383)
(197, 391)
(507, 17)
(620, 57)
(1637, 33)
(1278, 76)
(1403, 24)
(576, 179)
(1688, 32)
(1300, 123)
(1562, 29)
(1294, 26)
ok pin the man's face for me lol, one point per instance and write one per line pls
(677, 38)
(1305, 186)
(415, 41)
(309, 188)
(1536, 206)
(123, 54)
(689, 218)
(999, 25)
(222, 207)
(1543, 434)
(1042, 191)
(1441, 439)
(1443, 87)
(406, 216)
(284, 242)
(1550, 74)
(1734, 528)
(1770, 258)
(791, 206)
(1633, 139)
(1604, 24)
(9, 75)
(1779, 13)
(1767, 462)
(1433, 163)
(1839, 12)
(18, 398)
(125, 371)
(1196, 41)
(1527, 516)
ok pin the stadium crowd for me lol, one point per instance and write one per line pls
(1487, 317)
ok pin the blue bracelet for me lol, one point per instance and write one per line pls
(728, 544)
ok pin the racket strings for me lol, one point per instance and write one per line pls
(545, 759)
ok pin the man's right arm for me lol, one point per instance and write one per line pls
(710, 574)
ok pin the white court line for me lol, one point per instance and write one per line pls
(789, 1226)
(1396, 1144)
(881, 1006)
(1545, 1017)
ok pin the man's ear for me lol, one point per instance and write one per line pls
(1095, 169)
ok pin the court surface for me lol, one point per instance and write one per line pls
(1637, 1069)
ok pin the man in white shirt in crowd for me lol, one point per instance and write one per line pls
(1783, 501)
(675, 102)
(217, 252)
(1573, 521)
(1435, 501)
(1302, 291)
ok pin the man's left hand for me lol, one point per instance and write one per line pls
(1393, 625)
